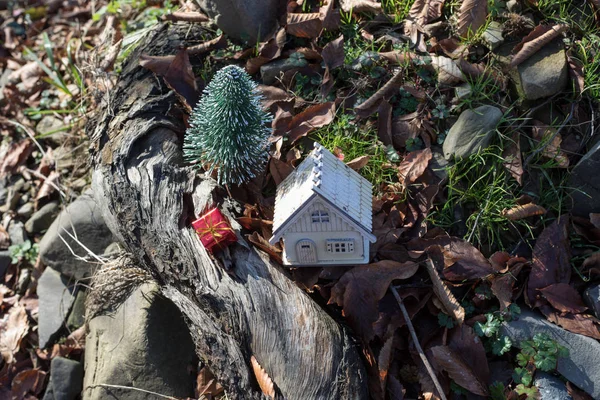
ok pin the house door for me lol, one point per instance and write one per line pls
(306, 251)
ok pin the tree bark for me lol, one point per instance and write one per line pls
(148, 197)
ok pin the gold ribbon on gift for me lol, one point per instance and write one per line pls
(215, 230)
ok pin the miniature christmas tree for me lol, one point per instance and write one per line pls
(228, 128)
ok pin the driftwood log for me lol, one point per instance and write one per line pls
(148, 196)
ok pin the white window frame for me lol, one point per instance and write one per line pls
(320, 216)
(340, 246)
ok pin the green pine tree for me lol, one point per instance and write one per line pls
(228, 128)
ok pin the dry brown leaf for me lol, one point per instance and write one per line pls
(513, 161)
(523, 211)
(333, 57)
(207, 385)
(329, 16)
(12, 332)
(383, 361)
(267, 51)
(264, 381)
(306, 25)
(264, 245)
(447, 70)
(458, 370)
(532, 43)
(358, 162)
(313, 117)
(370, 105)
(449, 302)
(48, 186)
(279, 170)
(582, 324)
(564, 298)
(361, 6)
(398, 56)
(426, 11)
(413, 166)
(472, 16)
(4, 239)
(16, 155)
(359, 290)
(384, 122)
(551, 140)
(26, 382)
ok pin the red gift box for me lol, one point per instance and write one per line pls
(214, 230)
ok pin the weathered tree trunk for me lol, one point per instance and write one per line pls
(147, 195)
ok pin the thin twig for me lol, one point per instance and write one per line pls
(27, 130)
(551, 139)
(133, 388)
(413, 334)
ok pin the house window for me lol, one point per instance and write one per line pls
(320, 216)
(340, 245)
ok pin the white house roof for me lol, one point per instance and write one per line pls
(323, 174)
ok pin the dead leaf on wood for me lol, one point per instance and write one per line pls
(524, 211)
(451, 306)
(551, 140)
(582, 324)
(16, 155)
(361, 6)
(333, 57)
(12, 332)
(306, 25)
(564, 298)
(532, 43)
(472, 16)
(551, 260)
(263, 379)
(370, 105)
(207, 385)
(217, 43)
(413, 166)
(313, 117)
(260, 242)
(27, 382)
(458, 370)
(358, 162)
(177, 73)
(424, 12)
(359, 290)
(447, 70)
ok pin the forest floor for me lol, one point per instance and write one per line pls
(492, 203)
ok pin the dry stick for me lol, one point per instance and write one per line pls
(186, 16)
(413, 334)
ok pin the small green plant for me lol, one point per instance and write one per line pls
(355, 141)
(490, 330)
(306, 86)
(228, 128)
(541, 352)
(445, 321)
(24, 252)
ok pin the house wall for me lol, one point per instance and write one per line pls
(319, 232)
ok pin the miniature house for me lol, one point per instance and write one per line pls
(323, 213)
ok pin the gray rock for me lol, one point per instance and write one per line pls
(16, 231)
(463, 91)
(438, 164)
(82, 219)
(42, 218)
(473, 131)
(55, 300)
(66, 379)
(13, 195)
(543, 74)
(246, 20)
(144, 344)
(492, 36)
(591, 296)
(5, 261)
(77, 315)
(26, 210)
(112, 250)
(50, 125)
(550, 387)
(581, 367)
(270, 72)
(586, 181)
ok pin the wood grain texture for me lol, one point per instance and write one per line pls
(148, 196)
